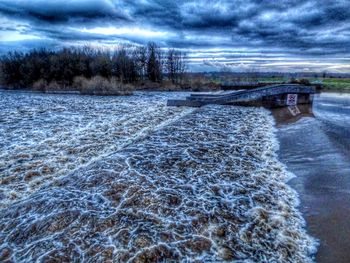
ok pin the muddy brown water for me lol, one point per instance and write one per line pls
(131, 180)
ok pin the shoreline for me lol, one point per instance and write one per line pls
(75, 92)
(330, 90)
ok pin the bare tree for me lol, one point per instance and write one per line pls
(140, 58)
(154, 63)
(175, 65)
(129, 64)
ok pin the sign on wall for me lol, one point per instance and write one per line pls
(292, 99)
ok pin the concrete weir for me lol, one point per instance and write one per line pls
(269, 96)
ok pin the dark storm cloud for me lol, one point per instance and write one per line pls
(61, 11)
(293, 28)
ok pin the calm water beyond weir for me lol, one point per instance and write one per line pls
(316, 148)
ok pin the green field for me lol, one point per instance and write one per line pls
(328, 83)
(337, 83)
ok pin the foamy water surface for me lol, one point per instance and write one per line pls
(130, 180)
(44, 137)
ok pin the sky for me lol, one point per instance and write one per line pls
(235, 35)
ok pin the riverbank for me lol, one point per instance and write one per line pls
(316, 148)
(155, 87)
(335, 90)
(331, 86)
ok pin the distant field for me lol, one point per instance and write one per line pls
(329, 83)
(332, 83)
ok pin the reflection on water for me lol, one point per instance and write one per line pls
(317, 150)
(332, 110)
(291, 114)
(193, 186)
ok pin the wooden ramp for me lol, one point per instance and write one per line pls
(273, 96)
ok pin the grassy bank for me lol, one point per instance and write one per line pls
(337, 84)
(329, 84)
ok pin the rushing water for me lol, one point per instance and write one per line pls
(128, 179)
(43, 137)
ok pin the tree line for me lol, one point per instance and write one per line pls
(127, 64)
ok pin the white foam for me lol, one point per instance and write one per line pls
(207, 187)
(44, 137)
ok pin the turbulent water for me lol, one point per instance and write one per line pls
(130, 180)
(44, 137)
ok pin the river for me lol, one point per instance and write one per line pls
(128, 179)
(315, 146)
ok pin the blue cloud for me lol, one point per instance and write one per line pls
(308, 29)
